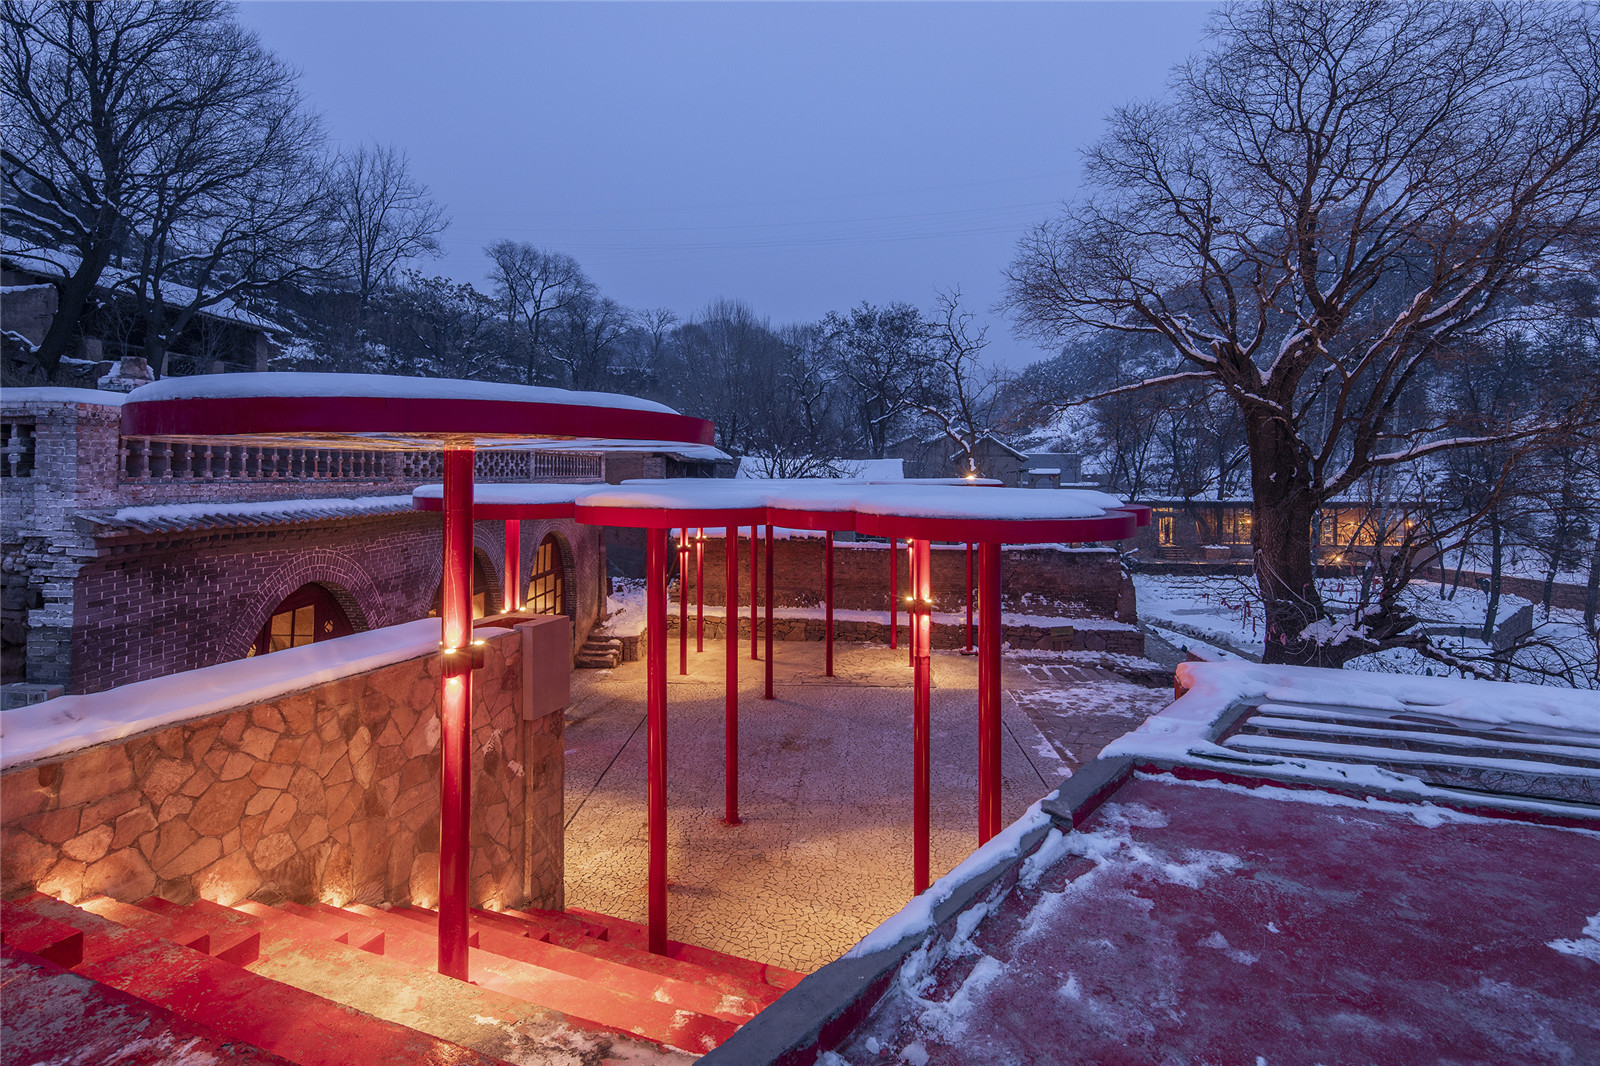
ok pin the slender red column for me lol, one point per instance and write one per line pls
(911, 576)
(700, 590)
(770, 598)
(827, 603)
(455, 717)
(513, 590)
(894, 592)
(755, 592)
(968, 596)
(683, 602)
(730, 710)
(921, 633)
(989, 683)
(655, 578)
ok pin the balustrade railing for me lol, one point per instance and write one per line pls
(163, 461)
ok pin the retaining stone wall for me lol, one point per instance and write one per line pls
(329, 793)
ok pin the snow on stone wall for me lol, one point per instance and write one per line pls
(326, 793)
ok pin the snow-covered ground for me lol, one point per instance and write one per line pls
(1224, 613)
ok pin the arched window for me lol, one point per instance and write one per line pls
(547, 590)
(307, 615)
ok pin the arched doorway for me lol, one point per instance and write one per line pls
(306, 615)
(547, 589)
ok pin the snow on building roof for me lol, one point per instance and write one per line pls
(379, 386)
(70, 723)
(51, 261)
(55, 394)
(1046, 470)
(177, 517)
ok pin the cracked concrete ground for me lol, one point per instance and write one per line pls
(824, 851)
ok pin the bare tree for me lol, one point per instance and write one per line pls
(160, 137)
(879, 355)
(386, 217)
(533, 285)
(1331, 199)
(957, 392)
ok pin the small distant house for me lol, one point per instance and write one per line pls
(938, 457)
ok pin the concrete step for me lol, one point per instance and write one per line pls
(53, 1015)
(43, 937)
(406, 990)
(558, 925)
(636, 935)
(589, 1004)
(230, 944)
(356, 934)
(510, 938)
(239, 1004)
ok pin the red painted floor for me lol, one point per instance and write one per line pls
(1221, 927)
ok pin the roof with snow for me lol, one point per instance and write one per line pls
(383, 411)
(1188, 898)
(940, 508)
(51, 262)
(181, 517)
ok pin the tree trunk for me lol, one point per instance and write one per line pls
(1497, 548)
(1591, 592)
(72, 298)
(1284, 561)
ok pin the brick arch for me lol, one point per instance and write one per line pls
(350, 585)
(569, 569)
(488, 547)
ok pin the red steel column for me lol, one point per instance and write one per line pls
(455, 714)
(513, 590)
(655, 579)
(827, 603)
(683, 601)
(989, 691)
(911, 572)
(730, 709)
(921, 632)
(755, 591)
(969, 596)
(770, 598)
(894, 592)
(700, 590)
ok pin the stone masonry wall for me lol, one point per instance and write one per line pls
(329, 793)
(1086, 582)
(1111, 637)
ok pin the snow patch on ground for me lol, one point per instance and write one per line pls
(1584, 946)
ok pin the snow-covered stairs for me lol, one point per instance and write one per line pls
(263, 976)
(1560, 766)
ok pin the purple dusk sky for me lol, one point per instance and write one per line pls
(800, 157)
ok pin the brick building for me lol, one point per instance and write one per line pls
(122, 560)
(1219, 530)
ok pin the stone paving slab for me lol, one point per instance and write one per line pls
(824, 853)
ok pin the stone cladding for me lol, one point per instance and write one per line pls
(329, 793)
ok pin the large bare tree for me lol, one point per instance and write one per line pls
(162, 138)
(1328, 201)
(534, 286)
(385, 215)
